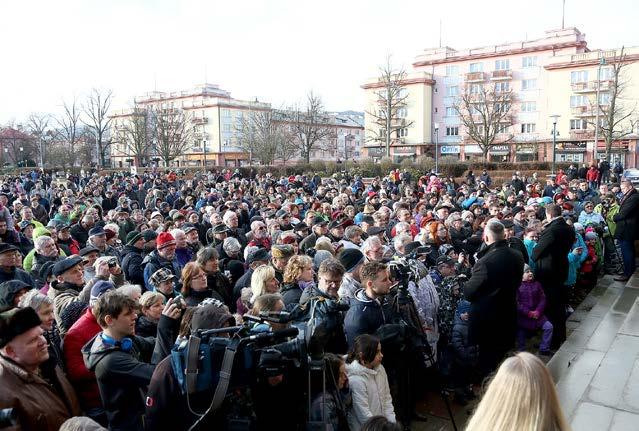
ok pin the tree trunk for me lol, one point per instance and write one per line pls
(485, 154)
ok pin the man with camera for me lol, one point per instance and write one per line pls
(123, 362)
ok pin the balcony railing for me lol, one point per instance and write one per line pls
(588, 111)
(591, 86)
(200, 120)
(582, 134)
(475, 77)
(498, 75)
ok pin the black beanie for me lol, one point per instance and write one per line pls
(15, 322)
(350, 258)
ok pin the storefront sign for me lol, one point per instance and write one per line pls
(499, 149)
(376, 152)
(403, 150)
(472, 149)
(576, 147)
(450, 149)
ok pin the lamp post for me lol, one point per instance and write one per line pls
(554, 139)
(436, 148)
(22, 156)
(602, 61)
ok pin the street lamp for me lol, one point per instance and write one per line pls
(554, 139)
(22, 156)
(602, 61)
(436, 148)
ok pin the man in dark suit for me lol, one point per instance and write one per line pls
(627, 232)
(492, 291)
(551, 258)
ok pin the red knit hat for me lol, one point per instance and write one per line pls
(165, 239)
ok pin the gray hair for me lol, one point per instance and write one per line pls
(40, 242)
(34, 299)
(495, 230)
(401, 240)
(370, 241)
(352, 231)
(176, 232)
(205, 254)
(231, 245)
(130, 290)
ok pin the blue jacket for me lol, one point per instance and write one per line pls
(574, 261)
(364, 316)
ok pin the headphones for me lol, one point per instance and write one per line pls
(126, 344)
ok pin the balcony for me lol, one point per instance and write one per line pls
(501, 75)
(200, 120)
(475, 77)
(588, 111)
(591, 86)
(582, 134)
(200, 135)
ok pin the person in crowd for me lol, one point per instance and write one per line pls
(132, 257)
(194, 285)
(208, 259)
(162, 257)
(465, 355)
(531, 303)
(280, 255)
(9, 262)
(368, 382)
(352, 260)
(66, 288)
(521, 395)
(151, 306)
(255, 258)
(492, 292)
(41, 397)
(298, 275)
(626, 231)
(122, 361)
(263, 281)
(333, 405)
(551, 269)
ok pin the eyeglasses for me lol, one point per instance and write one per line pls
(332, 282)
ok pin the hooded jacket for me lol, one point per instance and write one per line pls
(364, 316)
(122, 378)
(371, 394)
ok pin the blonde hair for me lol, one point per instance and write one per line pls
(148, 299)
(261, 275)
(295, 268)
(520, 397)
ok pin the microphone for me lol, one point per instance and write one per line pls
(269, 336)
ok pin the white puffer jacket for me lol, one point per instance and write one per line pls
(371, 394)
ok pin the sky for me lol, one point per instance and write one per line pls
(275, 51)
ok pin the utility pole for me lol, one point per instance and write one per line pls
(602, 61)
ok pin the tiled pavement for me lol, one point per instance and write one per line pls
(597, 368)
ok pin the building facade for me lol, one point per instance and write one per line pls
(216, 120)
(553, 78)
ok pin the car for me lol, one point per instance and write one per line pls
(632, 174)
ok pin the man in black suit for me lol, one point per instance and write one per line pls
(627, 232)
(492, 291)
(551, 258)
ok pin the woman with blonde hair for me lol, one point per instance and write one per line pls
(521, 397)
(151, 306)
(298, 275)
(262, 281)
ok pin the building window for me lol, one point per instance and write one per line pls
(578, 76)
(606, 74)
(604, 99)
(502, 107)
(476, 67)
(502, 87)
(529, 62)
(452, 91)
(452, 70)
(578, 100)
(528, 128)
(452, 131)
(475, 89)
(403, 93)
(502, 64)
(502, 128)
(226, 127)
(226, 113)
(402, 112)
(528, 84)
(450, 111)
(578, 124)
(528, 106)
(403, 132)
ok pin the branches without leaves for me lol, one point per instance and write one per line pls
(135, 132)
(173, 132)
(96, 108)
(486, 114)
(310, 125)
(263, 135)
(69, 128)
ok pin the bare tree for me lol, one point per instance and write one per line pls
(173, 132)
(389, 114)
(617, 119)
(37, 124)
(264, 136)
(96, 109)
(310, 125)
(135, 133)
(485, 112)
(69, 128)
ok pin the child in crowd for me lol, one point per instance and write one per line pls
(465, 355)
(531, 303)
(588, 276)
(368, 382)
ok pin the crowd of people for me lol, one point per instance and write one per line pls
(405, 284)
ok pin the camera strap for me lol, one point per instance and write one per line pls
(192, 356)
(225, 373)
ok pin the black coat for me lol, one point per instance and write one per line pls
(551, 253)
(132, 265)
(492, 292)
(628, 217)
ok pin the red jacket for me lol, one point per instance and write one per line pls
(83, 380)
(592, 174)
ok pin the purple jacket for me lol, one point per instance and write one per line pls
(530, 297)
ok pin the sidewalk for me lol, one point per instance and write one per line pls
(597, 368)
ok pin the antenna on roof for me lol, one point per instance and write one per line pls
(563, 13)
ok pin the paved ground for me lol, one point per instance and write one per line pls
(596, 370)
